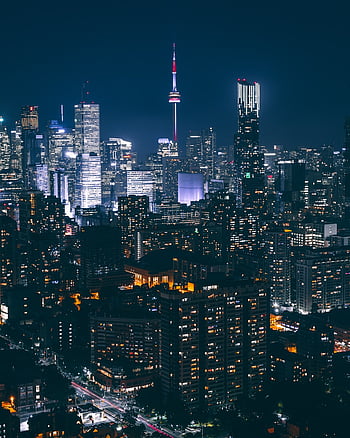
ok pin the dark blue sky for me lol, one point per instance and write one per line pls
(298, 51)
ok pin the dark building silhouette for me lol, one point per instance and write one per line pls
(315, 342)
(30, 145)
(9, 424)
(100, 253)
(291, 185)
(20, 379)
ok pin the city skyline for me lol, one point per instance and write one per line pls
(126, 55)
(174, 220)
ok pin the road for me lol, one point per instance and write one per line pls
(111, 406)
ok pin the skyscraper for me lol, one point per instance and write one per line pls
(87, 147)
(100, 253)
(214, 342)
(201, 152)
(88, 182)
(60, 143)
(5, 151)
(167, 148)
(290, 185)
(133, 215)
(8, 252)
(87, 128)
(16, 149)
(277, 265)
(117, 158)
(248, 157)
(346, 157)
(141, 183)
(30, 152)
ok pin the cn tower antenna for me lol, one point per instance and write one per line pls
(174, 95)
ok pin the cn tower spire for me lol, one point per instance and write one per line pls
(174, 95)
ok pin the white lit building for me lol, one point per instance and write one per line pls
(167, 148)
(87, 128)
(141, 183)
(88, 180)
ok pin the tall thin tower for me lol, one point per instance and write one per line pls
(248, 157)
(174, 95)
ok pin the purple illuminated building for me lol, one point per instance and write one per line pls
(190, 187)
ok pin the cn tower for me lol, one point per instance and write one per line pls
(174, 96)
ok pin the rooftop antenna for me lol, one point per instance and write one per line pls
(85, 92)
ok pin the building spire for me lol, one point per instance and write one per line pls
(85, 92)
(174, 95)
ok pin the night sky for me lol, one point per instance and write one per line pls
(298, 51)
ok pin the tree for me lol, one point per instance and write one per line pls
(57, 387)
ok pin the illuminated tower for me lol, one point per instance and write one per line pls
(87, 124)
(87, 147)
(174, 96)
(88, 180)
(248, 158)
(30, 150)
(5, 150)
(346, 170)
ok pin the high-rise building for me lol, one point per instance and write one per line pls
(190, 187)
(133, 215)
(167, 148)
(315, 342)
(290, 185)
(323, 280)
(118, 154)
(141, 183)
(62, 161)
(61, 145)
(59, 187)
(133, 340)
(201, 152)
(277, 270)
(117, 159)
(100, 253)
(16, 147)
(31, 208)
(42, 182)
(346, 156)
(5, 150)
(214, 342)
(30, 118)
(8, 252)
(194, 150)
(87, 128)
(88, 180)
(248, 157)
(30, 151)
(154, 163)
(171, 167)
